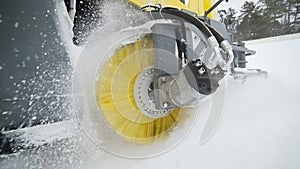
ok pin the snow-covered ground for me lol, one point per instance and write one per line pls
(260, 126)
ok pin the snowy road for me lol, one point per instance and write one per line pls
(260, 127)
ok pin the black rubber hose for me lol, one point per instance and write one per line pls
(199, 24)
(216, 34)
(205, 28)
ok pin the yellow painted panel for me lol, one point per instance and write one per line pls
(196, 6)
(207, 5)
(165, 3)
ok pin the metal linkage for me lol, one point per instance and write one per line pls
(213, 7)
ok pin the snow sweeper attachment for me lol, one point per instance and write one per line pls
(142, 86)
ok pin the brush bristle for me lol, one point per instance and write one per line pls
(115, 95)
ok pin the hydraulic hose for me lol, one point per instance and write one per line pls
(211, 62)
(214, 38)
(216, 33)
(225, 45)
(199, 24)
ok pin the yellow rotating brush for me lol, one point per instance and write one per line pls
(115, 95)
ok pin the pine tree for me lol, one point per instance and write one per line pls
(252, 23)
(275, 11)
(296, 22)
(264, 18)
(260, 19)
(230, 20)
(244, 28)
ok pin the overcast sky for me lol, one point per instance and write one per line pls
(236, 4)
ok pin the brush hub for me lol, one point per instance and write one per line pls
(144, 94)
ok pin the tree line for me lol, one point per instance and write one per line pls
(265, 18)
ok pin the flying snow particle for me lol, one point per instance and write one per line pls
(16, 25)
(15, 50)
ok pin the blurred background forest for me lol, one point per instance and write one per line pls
(262, 19)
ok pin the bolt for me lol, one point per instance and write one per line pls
(163, 79)
(165, 104)
(201, 71)
(198, 63)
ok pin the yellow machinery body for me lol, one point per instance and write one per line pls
(197, 6)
